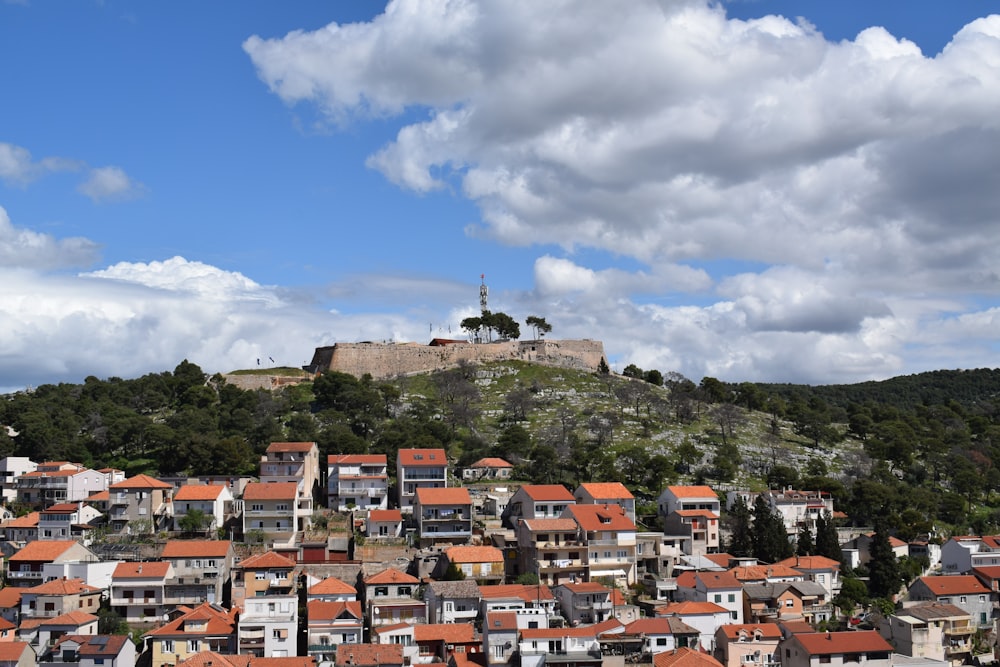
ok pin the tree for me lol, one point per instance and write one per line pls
(884, 576)
(804, 545)
(602, 367)
(194, 521)
(632, 371)
(741, 533)
(540, 326)
(653, 377)
(827, 541)
(770, 539)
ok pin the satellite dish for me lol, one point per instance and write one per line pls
(376, 610)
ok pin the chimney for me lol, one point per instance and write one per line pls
(829, 636)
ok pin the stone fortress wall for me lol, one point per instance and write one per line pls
(389, 360)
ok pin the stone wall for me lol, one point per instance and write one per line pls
(388, 360)
(267, 382)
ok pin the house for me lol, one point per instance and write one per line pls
(26, 567)
(208, 503)
(357, 481)
(296, 462)
(11, 468)
(516, 597)
(8, 630)
(440, 641)
(606, 493)
(213, 659)
(17, 654)
(490, 468)
(836, 649)
(452, 601)
(609, 541)
(500, 630)
(819, 569)
(537, 501)
(262, 574)
(591, 602)
(200, 570)
(330, 624)
(698, 530)
(677, 498)
(67, 521)
(861, 545)
(138, 590)
(965, 591)
(43, 631)
(443, 515)
(799, 508)
(267, 626)
(10, 604)
(551, 548)
(275, 509)
(787, 600)
(721, 588)
(58, 597)
(483, 564)
(140, 505)
(930, 630)
(748, 645)
(91, 651)
(578, 645)
(21, 530)
(705, 617)
(419, 469)
(650, 636)
(56, 482)
(369, 655)
(389, 598)
(684, 657)
(962, 554)
(332, 589)
(399, 634)
(207, 627)
(384, 524)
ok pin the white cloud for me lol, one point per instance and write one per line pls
(110, 184)
(17, 167)
(29, 249)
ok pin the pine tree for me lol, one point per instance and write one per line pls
(770, 539)
(741, 533)
(827, 541)
(804, 543)
(884, 577)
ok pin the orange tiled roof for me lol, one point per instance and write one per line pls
(693, 492)
(649, 626)
(267, 560)
(62, 587)
(332, 586)
(601, 517)
(60, 508)
(455, 495)
(422, 457)
(100, 496)
(606, 490)
(689, 608)
(218, 621)
(451, 633)
(501, 621)
(586, 587)
(76, 618)
(810, 563)
(271, 491)
(716, 580)
(196, 549)
(199, 492)
(291, 446)
(29, 520)
(369, 655)
(385, 515)
(391, 576)
(321, 610)
(535, 525)
(684, 657)
(357, 459)
(473, 554)
(146, 570)
(857, 641)
(43, 550)
(708, 514)
(10, 597)
(11, 652)
(762, 572)
(491, 462)
(767, 630)
(140, 482)
(549, 492)
(954, 584)
(526, 592)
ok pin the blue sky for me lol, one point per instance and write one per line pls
(714, 189)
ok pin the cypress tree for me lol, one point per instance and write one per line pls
(741, 534)
(827, 541)
(804, 543)
(884, 576)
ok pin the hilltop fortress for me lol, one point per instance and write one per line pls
(387, 360)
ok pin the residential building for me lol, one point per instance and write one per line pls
(698, 530)
(263, 574)
(606, 493)
(518, 597)
(67, 521)
(369, 655)
(58, 597)
(207, 627)
(705, 617)
(538, 647)
(609, 538)
(26, 568)
(275, 509)
(962, 554)
(799, 508)
(138, 590)
(296, 462)
(452, 601)
(489, 468)
(419, 469)
(211, 503)
(684, 657)
(537, 501)
(647, 637)
(965, 591)
(267, 625)
(589, 602)
(819, 569)
(56, 482)
(500, 631)
(389, 598)
(862, 543)
(332, 589)
(140, 504)
(17, 654)
(483, 564)
(930, 630)
(330, 624)
(443, 515)
(384, 524)
(200, 570)
(357, 481)
(45, 630)
(699, 497)
(90, 651)
(11, 468)
(553, 549)
(836, 649)
(785, 601)
(439, 642)
(721, 588)
(748, 645)
(21, 530)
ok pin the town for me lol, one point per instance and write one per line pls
(359, 563)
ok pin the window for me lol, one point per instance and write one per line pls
(718, 598)
(962, 600)
(282, 507)
(731, 597)
(789, 603)
(404, 590)
(661, 641)
(259, 576)
(381, 591)
(824, 660)
(280, 633)
(168, 645)
(982, 598)
(193, 646)
(622, 554)
(733, 615)
(498, 650)
(257, 507)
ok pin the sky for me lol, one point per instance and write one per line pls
(767, 190)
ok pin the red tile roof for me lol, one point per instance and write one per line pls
(501, 621)
(29, 520)
(134, 570)
(385, 515)
(474, 554)
(535, 525)
(444, 496)
(601, 518)
(586, 587)
(369, 655)
(491, 462)
(321, 610)
(217, 621)
(451, 633)
(547, 492)
(271, 491)
(43, 550)
(199, 492)
(810, 563)
(716, 580)
(606, 490)
(526, 592)
(828, 643)
(291, 446)
(356, 459)
(62, 587)
(391, 576)
(415, 458)
(649, 626)
(140, 482)
(196, 549)
(766, 630)
(954, 584)
(332, 586)
(689, 608)
(693, 492)
(684, 657)
(11, 652)
(267, 560)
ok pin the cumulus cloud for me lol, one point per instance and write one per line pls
(801, 207)
(110, 184)
(21, 247)
(17, 167)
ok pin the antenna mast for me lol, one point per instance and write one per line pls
(484, 293)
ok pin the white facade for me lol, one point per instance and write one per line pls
(268, 625)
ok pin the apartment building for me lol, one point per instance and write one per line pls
(419, 469)
(357, 481)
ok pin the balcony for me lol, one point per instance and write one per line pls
(560, 564)
(965, 628)
(956, 648)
